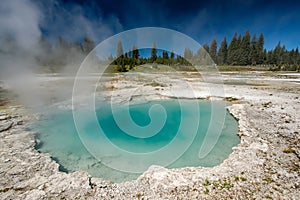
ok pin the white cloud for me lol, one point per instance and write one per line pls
(71, 22)
(19, 21)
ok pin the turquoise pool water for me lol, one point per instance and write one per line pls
(58, 136)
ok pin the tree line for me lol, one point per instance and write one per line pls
(62, 53)
(243, 50)
(129, 60)
(247, 50)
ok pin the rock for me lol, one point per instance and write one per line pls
(4, 126)
(4, 117)
(20, 122)
(267, 104)
(34, 194)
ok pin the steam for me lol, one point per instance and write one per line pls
(22, 23)
(19, 33)
(19, 21)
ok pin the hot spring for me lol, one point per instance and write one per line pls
(119, 153)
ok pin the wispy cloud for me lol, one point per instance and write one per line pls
(74, 21)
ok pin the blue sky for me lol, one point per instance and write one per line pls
(201, 20)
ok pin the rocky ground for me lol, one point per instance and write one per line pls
(265, 165)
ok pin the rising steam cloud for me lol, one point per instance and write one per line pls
(22, 23)
(19, 33)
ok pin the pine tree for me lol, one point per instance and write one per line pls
(254, 55)
(120, 58)
(297, 56)
(134, 56)
(165, 57)
(238, 53)
(263, 57)
(222, 53)
(45, 54)
(188, 54)
(78, 46)
(270, 58)
(202, 56)
(278, 55)
(260, 49)
(245, 49)
(110, 58)
(62, 43)
(213, 50)
(120, 51)
(291, 57)
(232, 56)
(135, 52)
(88, 45)
(153, 53)
(285, 56)
(206, 47)
(172, 56)
(60, 55)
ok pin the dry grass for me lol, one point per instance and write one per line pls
(242, 68)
